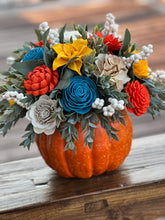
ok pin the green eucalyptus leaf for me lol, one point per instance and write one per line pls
(61, 34)
(126, 42)
(39, 35)
(65, 81)
(48, 57)
(45, 38)
(27, 66)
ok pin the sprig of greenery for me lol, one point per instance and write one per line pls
(29, 136)
(88, 64)
(126, 43)
(110, 130)
(82, 30)
(89, 123)
(157, 96)
(69, 131)
(10, 117)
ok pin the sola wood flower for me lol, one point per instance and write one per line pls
(68, 51)
(79, 95)
(34, 54)
(44, 115)
(114, 66)
(139, 97)
(113, 44)
(141, 69)
(41, 81)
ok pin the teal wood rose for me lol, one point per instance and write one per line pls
(34, 54)
(79, 95)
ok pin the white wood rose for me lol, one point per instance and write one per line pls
(108, 64)
(44, 115)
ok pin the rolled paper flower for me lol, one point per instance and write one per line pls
(139, 97)
(41, 80)
(110, 41)
(79, 95)
(34, 54)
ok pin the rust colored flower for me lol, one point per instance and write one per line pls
(41, 80)
(40, 43)
(138, 96)
(112, 43)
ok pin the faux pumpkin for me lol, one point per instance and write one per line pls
(106, 155)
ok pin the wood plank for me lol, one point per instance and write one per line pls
(31, 190)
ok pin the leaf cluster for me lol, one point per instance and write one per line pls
(29, 136)
(69, 131)
(88, 124)
(10, 116)
(88, 64)
(82, 30)
(157, 97)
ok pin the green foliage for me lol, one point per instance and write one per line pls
(97, 44)
(10, 116)
(45, 38)
(88, 64)
(157, 97)
(82, 30)
(20, 52)
(27, 66)
(49, 54)
(105, 123)
(29, 136)
(39, 35)
(126, 43)
(88, 123)
(61, 34)
(97, 28)
(64, 82)
(69, 131)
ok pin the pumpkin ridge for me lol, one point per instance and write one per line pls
(58, 155)
(100, 151)
(42, 143)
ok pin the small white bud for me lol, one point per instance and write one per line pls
(105, 113)
(121, 102)
(10, 60)
(93, 105)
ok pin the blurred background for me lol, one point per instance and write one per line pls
(145, 19)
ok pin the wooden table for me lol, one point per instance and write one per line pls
(136, 191)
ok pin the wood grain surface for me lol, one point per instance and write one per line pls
(31, 190)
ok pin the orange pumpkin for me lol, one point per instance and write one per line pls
(106, 155)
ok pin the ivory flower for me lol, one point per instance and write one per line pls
(44, 115)
(68, 51)
(141, 69)
(114, 66)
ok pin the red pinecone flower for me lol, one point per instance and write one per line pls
(138, 96)
(41, 80)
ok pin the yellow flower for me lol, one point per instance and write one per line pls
(11, 102)
(67, 51)
(141, 69)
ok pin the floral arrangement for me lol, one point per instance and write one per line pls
(79, 76)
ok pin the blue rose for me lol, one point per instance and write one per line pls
(34, 54)
(79, 95)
